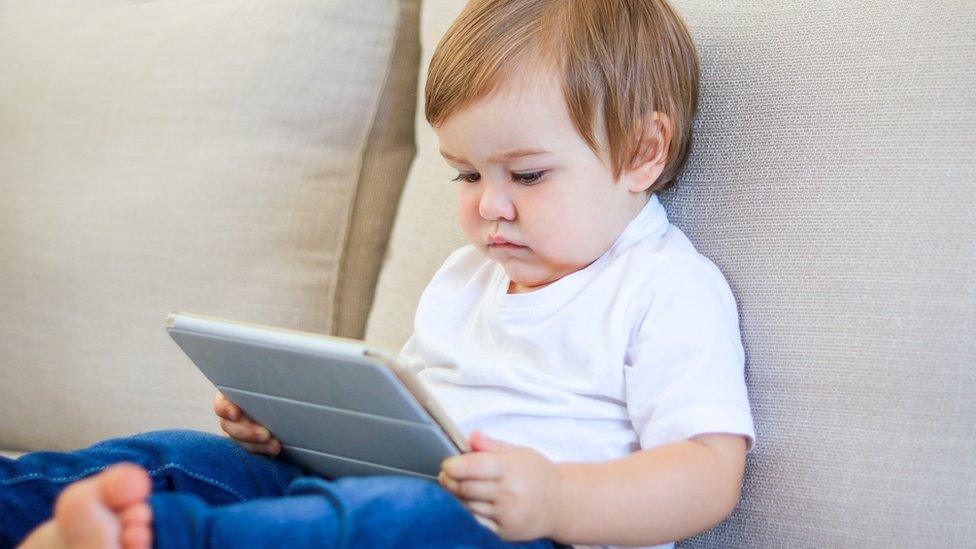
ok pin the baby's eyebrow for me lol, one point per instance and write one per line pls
(499, 157)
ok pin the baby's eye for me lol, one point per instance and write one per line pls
(469, 177)
(527, 179)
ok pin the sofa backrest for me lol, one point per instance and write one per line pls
(833, 180)
(237, 159)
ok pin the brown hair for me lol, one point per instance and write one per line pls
(619, 60)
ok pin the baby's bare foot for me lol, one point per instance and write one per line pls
(106, 510)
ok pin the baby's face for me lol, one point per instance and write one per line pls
(553, 199)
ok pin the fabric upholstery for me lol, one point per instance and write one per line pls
(426, 228)
(388, 155)
(833, 180)
(179, 155)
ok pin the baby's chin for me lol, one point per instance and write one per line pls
(527, 280)
(523, 266)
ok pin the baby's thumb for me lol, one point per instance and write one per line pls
(481, 442)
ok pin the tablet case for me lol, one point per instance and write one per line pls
(333, 403)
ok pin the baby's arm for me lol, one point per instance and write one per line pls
(667, 493)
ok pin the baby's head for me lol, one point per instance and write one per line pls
(561, 117)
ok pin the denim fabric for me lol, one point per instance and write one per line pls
(208, 491)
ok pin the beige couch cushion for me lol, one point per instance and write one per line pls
(832, 180)
(426, 228)
(179, 155)
(388, 155)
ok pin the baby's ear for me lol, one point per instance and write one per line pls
(652, 152)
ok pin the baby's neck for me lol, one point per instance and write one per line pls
(514, 288)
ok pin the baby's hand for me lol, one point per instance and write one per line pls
(253, 436)
(513, 488)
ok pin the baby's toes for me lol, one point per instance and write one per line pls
(136, 515)
(136, 523)
(124, 485)
(136, 536)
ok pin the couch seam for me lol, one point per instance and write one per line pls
(337, 294)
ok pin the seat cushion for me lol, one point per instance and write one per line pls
(832, 181)
(182, 155)
(10, 454)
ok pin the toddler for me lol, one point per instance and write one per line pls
(590, 353)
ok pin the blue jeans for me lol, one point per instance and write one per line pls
(208, 491)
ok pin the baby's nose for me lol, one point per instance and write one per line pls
(495, 204)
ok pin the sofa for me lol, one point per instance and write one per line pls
(268, 162)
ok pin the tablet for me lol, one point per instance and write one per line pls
(338, 406)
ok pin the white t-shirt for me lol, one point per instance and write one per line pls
(640, 348)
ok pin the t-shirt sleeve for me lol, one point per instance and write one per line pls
(411, 352)
(684, 369)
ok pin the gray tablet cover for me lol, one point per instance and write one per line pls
(335, 410)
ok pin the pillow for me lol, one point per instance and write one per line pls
(206, 157)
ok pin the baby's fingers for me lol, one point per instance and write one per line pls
(480, 490)
(245, 430)
(271, 448)
(225, 408)
(481, 509)
(487, 523)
